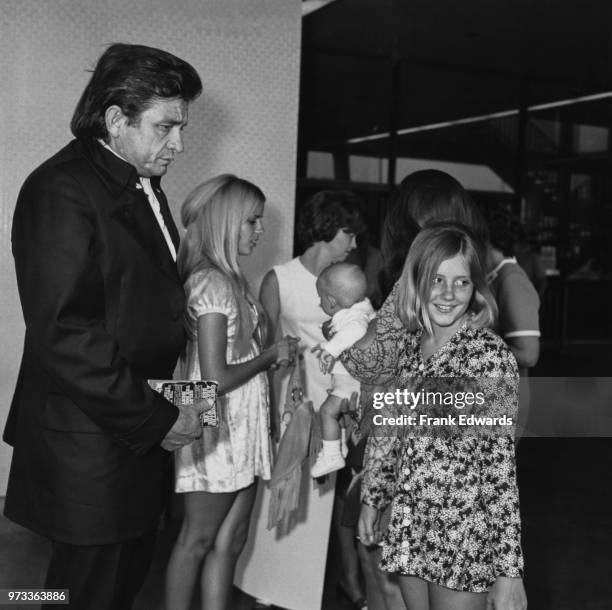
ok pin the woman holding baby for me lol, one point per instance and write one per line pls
(327, 227)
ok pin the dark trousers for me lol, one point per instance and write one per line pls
(103, 577)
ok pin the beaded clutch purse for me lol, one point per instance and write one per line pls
(184, 392)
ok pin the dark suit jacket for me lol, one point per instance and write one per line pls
(103, 306)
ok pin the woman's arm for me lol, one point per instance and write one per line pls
(269, 298)
(526, 350)
(212, 346)
(270, 301)
(373, 359)
(519, 324)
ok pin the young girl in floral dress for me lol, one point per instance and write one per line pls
(454, 534)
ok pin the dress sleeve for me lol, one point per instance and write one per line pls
(500, 495)
(382, 453)
(376, 363)
(380, 470)
(498, 470)
(209, 291)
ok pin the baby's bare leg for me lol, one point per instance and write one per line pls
(330, 458)
(330, 412)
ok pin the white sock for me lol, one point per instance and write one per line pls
(331, 448)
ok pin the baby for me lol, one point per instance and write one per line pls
(342, 289)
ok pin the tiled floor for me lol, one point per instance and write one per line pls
(566, 495)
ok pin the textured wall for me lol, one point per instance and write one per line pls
(247, 53)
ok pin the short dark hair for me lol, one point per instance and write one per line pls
(132, 77)
(505, 228)
(325, 213)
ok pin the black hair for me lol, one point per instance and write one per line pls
(132, 77)
(325, 213)
(505, 229)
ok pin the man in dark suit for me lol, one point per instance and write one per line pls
(95, 247)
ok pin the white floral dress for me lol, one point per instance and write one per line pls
(229, 457)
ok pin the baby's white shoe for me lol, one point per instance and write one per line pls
(326, 462)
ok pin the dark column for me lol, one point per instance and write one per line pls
(565, 177)
(394, 112)
(341, 164)
(520, 168)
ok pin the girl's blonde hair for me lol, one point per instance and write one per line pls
(212, 215)
(432, 246)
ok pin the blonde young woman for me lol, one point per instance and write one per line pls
(226, 330)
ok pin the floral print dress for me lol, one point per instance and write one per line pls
(455, 514)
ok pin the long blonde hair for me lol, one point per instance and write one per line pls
(433, 245)
(212, 215)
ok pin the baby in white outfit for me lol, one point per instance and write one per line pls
(342, 289)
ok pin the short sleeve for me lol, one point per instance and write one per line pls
(518, 304)
(209, 291)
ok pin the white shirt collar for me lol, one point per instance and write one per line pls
(138, 184)
(112, 150)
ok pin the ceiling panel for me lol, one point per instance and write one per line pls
(458, 59)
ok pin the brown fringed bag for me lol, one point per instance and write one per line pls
(299, 440)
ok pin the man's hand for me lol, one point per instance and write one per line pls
(203, 404)
(507, 594)
(187, 427)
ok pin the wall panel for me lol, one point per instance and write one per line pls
(247, 53)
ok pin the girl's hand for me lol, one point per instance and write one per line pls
(286, 351)
(507, 594)
(368, 525)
